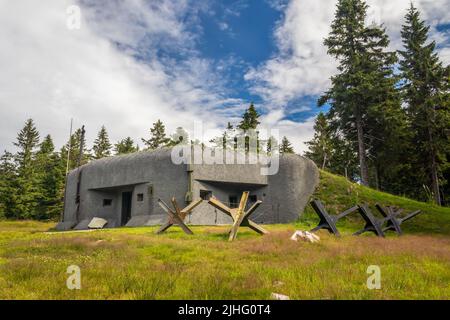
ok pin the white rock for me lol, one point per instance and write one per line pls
(278, 296)
(305, 236)
(97, 223)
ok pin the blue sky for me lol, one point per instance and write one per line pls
(132, 62)
(243, 31)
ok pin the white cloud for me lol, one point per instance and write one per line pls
(223, 26)
(300, 109)
(50, 73)
(302, 66)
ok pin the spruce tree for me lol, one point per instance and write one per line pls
(125, 146)
(344, 159)
(228, 137)
(363, 63)
(248, 126)
(426, 94)
(320, 147)
(8, 186)
(249, 119)
(50, 171)
(102, 147)
(158, 137)
(27, 140)
(75, 141)
(27, 179)
(286, 146)
(226, 140)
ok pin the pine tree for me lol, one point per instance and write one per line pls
(286, 146)
(344, 160)
(8, 186)
(248, 126)
(158, 137)
(50, 170)
(426, 95)
(75, 142)
(249, 119)
(125, 146)
(27, 140)
(320, 147)
(27, 179)
(227, 139)
(228, 136)
(363, 63)
(102, 147)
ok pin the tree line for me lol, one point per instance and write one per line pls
(32, 180)
(388, 124)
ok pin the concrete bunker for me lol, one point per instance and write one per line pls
(124, 190)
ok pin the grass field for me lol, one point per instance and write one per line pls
(134, 263)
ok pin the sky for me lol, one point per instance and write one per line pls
(132, 62)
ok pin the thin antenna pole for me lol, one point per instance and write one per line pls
(67, 171)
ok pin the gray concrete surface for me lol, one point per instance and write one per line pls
(106, 185)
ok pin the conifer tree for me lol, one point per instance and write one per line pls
(228, 137)
(27, 179)
(286, 146)
(248, 126)
(320, 147)
(125, 146)
(158, 137)
(249, 119)
(27, 140)
(363, 63)
(102, 147)
(8, 186)
(426, 93)
(50, 171)
(75, 141)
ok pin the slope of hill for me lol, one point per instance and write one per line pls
(339, 194)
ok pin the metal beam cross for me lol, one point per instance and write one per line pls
(373, 224)
(177, 216)
(239, 215)
(393, 220)
(328, 221)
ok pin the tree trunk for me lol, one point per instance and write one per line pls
(324, 160)
(433, 164)
(361, 150)
(434, 172)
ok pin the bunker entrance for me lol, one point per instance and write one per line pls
(230, 193)
(126, 207)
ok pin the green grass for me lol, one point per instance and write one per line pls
(339, 194)
(134, 263)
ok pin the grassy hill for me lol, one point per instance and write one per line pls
(134, 263)
(339, 194)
